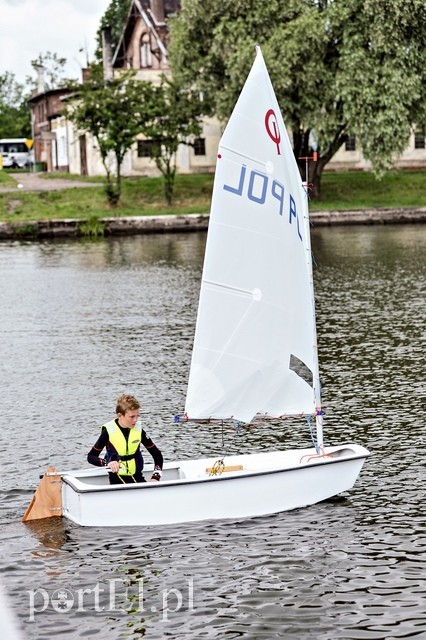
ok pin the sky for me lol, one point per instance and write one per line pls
(64, 27)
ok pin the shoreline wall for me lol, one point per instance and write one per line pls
(116, 226)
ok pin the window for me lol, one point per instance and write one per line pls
(199, 147)
(145, 148)
(419, 140)
(41, 112)
(146, 53)
(13, 147)
(350, 144)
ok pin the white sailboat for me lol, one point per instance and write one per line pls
(255, 352)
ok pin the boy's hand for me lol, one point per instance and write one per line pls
(114, 465)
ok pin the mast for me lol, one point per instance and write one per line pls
(316, 378)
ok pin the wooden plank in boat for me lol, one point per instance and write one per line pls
(231, 467)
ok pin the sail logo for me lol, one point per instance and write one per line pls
(259, 188)
(272, 129)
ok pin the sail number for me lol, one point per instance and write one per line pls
(258, 190)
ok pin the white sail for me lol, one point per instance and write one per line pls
(255, 332)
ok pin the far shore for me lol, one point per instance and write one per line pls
(135, 225)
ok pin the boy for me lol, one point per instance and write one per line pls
(122, 438)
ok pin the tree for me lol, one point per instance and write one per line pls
(114, 114)
(175, 120)
(115, 18)
(15, 121)
(339, 68)
(50, 69)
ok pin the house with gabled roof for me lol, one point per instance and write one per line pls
(143, 47)
(145, 37)
(49, 127)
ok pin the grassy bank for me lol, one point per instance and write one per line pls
(6, 180)
(144, 196)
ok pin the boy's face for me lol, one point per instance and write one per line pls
(129, 418)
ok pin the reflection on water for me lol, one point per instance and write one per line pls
(80, 322)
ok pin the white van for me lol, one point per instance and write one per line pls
(15, 153)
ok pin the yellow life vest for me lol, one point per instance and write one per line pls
(126, 449)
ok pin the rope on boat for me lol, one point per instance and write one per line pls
(319, 449)
(314, 442)
(218, 468)
(239, 430)
(120, 478)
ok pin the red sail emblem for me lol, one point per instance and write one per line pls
(272, 130)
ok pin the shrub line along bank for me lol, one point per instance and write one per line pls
(74, 228)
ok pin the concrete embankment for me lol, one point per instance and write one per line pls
(74, 228)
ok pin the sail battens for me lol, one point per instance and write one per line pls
(266, 165)
(255, 293)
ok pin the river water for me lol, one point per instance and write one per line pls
(83, 321)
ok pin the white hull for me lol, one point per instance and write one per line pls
(267, 483)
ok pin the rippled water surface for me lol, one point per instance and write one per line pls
(82, 321)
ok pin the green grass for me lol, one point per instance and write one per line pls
(6, 180)
(140, 197)
(361, 189)
(74, 177)
(144, 196)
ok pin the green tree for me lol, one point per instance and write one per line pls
(175, 121)
(115, 18)
(114, 114)
(339, 67)
(15, 120)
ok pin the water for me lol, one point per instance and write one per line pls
(82, 322)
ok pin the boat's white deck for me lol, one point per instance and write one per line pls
(239, 465)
